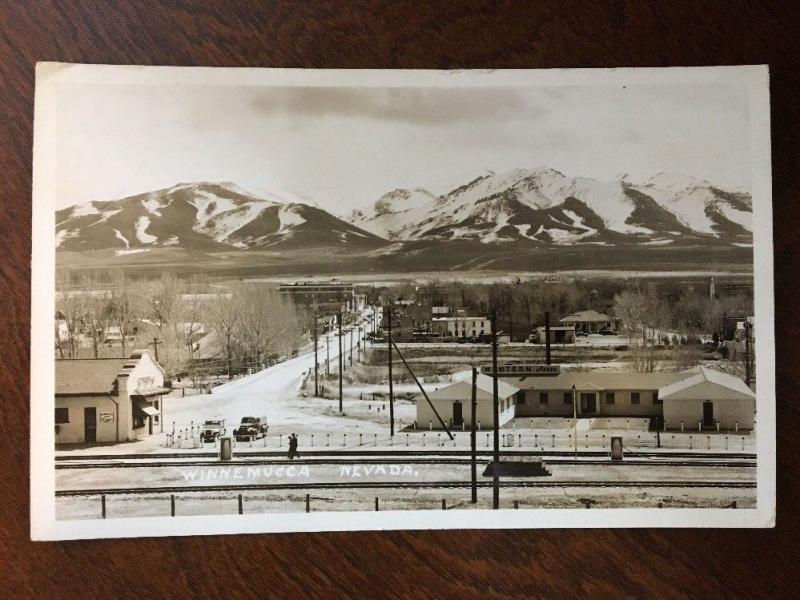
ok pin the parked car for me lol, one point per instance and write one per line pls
(212, 429)
(251, 428)
(607, 331)
(581, 334)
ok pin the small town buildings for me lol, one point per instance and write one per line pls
(590, 321)
(700, 397)
(108, 399)
(453, 402)
(321, 297)
(462, 326)
(558, 335)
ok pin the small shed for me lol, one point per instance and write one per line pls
(453, 402)
(707, 398)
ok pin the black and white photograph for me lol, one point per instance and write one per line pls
(302, 300)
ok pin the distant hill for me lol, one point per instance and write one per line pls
(203, 217)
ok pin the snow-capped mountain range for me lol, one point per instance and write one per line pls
(531, 207)
(544, 206)
(204, 217)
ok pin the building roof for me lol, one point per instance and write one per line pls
(672, 385)
(587, 316)
(90, 376)
(461, 388)
(587, 380)
(700, 383)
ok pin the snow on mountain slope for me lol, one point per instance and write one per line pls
(528, 204)
(203, 217)
(394, 212)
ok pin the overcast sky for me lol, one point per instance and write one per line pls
(345, 147)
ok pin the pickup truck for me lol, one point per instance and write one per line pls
(212, 429)
(251, 428)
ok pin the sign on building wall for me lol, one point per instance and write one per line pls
(106, 417)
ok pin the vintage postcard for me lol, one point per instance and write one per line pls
(273, 300)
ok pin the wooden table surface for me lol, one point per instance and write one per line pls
(599, 563)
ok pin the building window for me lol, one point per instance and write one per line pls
(543, 398)
(567, 397)
(610, 398)
(656, 399)
(634, 397)
(62, 415)
(520, 397)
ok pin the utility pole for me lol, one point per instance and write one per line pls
(316, 362)
(339, 320)
(473, 437)
(351, 345)
(747, 368)
(327, 351)
(391, 385)
(575, 417)
(547, 337)
(496, 409)
(155, 345)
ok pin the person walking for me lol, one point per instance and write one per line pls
(293, 446)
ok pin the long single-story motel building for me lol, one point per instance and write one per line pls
(108, 399)
(699, 397)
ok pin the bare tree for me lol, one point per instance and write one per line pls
(223, 318)
(70, 306)
(642, 316)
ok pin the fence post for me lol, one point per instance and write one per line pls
(103, 505)
(726, 442)
(327, 439)
(708, 441)
(690, 442)
(444, 504)
(487, 440)
(344, 439)
(172, 505)
(312, 440)
(554, 440)
(742, 442)
(241, 511)
(308, 502)
(516, 503)
(535, 440)
(360, 439)
(375, 439)
(406, 439)
(376, 504)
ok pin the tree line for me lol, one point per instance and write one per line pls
(241, 324)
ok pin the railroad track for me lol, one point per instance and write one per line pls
(260, 487)
(126, 464)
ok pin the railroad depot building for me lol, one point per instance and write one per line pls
(108, 399)
(453, 402)
(700, 397)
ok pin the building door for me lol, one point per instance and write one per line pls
(588, 402)
(708, 414)
(458, 415)
(90, 424)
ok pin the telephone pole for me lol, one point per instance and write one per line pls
(316, 362)
(496, 409)
(473, 438)
(155, 345)
(339, 320)
(351, 345)
(391, 387)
